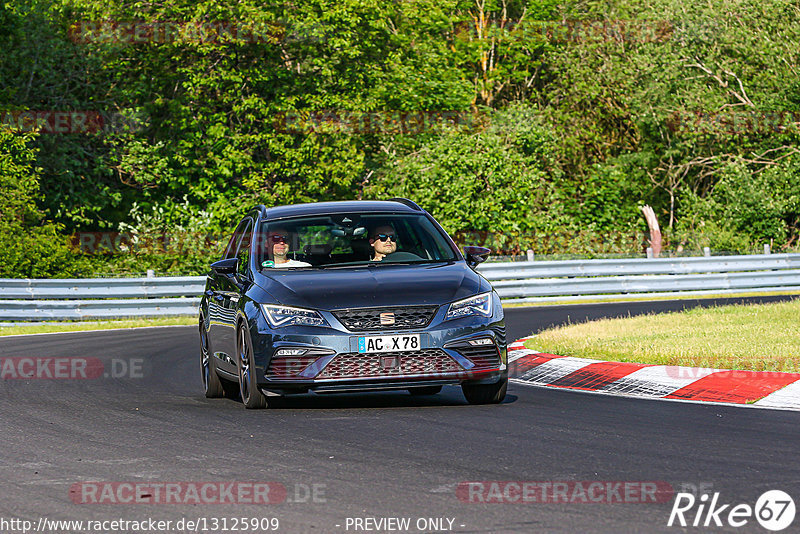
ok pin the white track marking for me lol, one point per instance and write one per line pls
(787, 397)
(657, 380)
(550, 371)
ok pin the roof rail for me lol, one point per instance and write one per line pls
(410, 203)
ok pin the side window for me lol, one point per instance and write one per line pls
(233, 245)
(244, 250)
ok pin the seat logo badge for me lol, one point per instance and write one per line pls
(387, 319)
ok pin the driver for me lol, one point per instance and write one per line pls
(383, 240)
(278, 245)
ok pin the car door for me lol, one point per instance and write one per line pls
(232, 287)
(225, 299)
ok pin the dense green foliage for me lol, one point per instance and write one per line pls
(29, 248)
(569, 117)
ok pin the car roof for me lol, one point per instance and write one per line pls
(345, 206)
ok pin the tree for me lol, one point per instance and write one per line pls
(29, 245)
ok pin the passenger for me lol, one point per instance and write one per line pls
(278, 245)
(383, 241)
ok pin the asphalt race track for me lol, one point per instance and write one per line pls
(375, 455)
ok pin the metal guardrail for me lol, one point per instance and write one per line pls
(70, 310)
(616, 267)
(583, 287)
(544, 281)
(70, 299)
(532, 281)
(80, 288)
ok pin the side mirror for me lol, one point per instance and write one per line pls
(225, 267)
(476, 255)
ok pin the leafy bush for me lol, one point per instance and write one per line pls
(745, 209)
(173, 238)
(29, 245)
(492, 181)
(595, 107)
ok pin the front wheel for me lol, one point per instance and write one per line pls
(485, 393)
(251, 396)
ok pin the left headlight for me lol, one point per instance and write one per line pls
(278, 316)
(477, 305)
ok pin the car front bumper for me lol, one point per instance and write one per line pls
(327, 360)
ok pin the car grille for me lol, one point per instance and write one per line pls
(289, 366)
(366, 319)
(483, 356)
(421, 362)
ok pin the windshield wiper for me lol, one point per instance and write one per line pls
(340, 265)
(409, 262)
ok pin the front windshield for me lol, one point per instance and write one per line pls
(350, 239)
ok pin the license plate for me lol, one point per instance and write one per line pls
(395, 343)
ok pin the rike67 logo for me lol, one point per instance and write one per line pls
(774, 510)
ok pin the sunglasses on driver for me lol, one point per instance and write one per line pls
(384, 237)
(279, 238)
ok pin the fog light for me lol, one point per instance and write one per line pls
(290, 352)
(483, 341)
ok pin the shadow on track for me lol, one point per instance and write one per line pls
(450, 396)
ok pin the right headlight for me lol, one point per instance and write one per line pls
(478, 305)
(278, 316)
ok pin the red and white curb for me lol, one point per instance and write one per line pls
(760, 389)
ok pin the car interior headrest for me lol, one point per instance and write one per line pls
(361, 247)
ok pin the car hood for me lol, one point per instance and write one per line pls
(377, 285)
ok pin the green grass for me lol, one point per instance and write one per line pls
(95, 325)
(762, 337)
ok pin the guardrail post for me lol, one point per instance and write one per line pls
(649, 253)
(706, 252)
(766, 248)
(530, 255)
(151, 273)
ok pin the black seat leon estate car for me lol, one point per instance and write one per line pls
(345, 297)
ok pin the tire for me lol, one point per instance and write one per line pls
(425, 390)
(211, 382)
(252, 398)
(485, 393)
